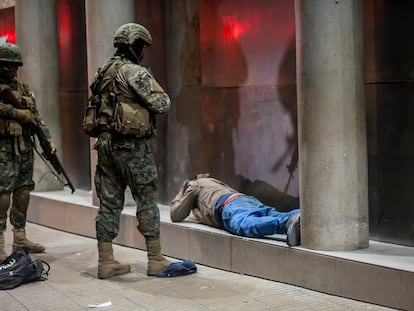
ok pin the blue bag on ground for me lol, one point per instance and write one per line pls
(19, 268)
(179, 268)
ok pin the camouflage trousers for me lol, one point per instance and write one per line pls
(122, 162)
(16, 180)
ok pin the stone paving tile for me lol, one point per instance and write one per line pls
(72, 285)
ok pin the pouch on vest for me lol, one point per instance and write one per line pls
(98, 114)
(2, 127)
(90, 121)
(132, 119)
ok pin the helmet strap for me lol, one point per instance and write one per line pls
(138, 58)
(133, 53)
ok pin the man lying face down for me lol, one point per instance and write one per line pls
(216, 204)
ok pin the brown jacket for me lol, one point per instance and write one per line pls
(200, 197)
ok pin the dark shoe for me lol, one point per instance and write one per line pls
(293, 230)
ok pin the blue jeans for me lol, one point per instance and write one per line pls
(247, 216)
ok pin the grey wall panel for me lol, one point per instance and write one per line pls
(234, 112)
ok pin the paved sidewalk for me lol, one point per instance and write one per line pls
(72, 285)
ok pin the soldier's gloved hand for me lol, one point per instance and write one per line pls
(14, 128)
(52, 146)
(23, 115)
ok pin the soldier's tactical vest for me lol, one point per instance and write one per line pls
(108, 111)
(24, 97)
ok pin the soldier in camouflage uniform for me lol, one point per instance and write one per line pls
(16, 150)
(125, 159)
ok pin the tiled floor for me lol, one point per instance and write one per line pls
(72, 285)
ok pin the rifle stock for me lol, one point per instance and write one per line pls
(7, 97)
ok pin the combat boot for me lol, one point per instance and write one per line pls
(107, 266)
(156, 262)
(20, 241)
(3, 254)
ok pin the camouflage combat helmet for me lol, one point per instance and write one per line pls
(129, 33)
(10, 53)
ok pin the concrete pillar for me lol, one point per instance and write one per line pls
(331, 121)
(103, 17)
(36, 34)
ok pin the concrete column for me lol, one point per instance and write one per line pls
(36, 34)
(103, 17)
(331, 120)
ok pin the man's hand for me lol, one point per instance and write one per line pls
(23, 115)
(52, 146)
(184, 186)
(14, 128)
(187, 181)
(203, 175)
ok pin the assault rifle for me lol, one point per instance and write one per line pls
(48, 154)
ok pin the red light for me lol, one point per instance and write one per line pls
(64, 21)
(10, 36)
(232, 28)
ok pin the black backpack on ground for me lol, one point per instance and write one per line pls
(18, 268)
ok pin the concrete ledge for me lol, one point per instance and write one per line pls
(382, 274)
